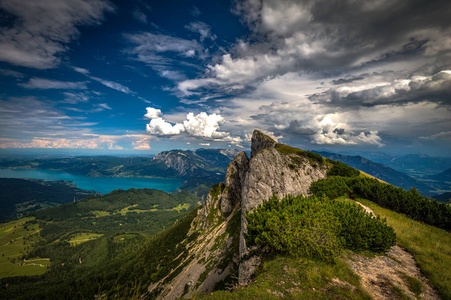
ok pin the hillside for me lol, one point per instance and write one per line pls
(443, 176)
(276, 225)
(22, 196)
(89, 240)
(380, 171)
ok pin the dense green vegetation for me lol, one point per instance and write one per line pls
(341, 169)
(97, 245)
(315, 227)
(22, 196)
(410, 202)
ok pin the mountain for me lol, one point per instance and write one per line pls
(242, 231)
(380, 171)
(443, 176)
(415, 165)
(22, 196)
(198, 161)
(201, 167)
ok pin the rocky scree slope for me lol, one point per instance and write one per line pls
(219, 255)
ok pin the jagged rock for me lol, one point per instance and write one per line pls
(233, 182)
(221, 223)
(261, 141)
(273, 171)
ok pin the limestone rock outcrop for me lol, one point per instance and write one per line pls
(220, 250)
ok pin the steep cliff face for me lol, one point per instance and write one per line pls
(221, 224)
(273, 169)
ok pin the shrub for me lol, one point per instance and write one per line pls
(296, 226)
(333, 187)
(315, 227)
(361, 231)
(341, 169)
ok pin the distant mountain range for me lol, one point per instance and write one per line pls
(381, 171)
(415, 165)
(204, 167)
(198, 169)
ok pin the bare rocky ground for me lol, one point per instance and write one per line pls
(384, 276)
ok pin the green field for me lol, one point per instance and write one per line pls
(133, 209)
(17, 239)
(83, 237)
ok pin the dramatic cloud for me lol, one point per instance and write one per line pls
(41, 30)
(29, 117)
(160, 127)
(377, 89)
(40, 83)
(202, 126)
(319, 36)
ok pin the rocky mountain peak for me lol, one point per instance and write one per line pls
(221, 250)
(261, 141)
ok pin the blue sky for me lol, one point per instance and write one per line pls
(148, 76)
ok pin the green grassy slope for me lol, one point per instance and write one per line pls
(430, 245)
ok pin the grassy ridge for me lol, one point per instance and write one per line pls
(431, 246)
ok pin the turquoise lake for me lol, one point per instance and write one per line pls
(102, 185)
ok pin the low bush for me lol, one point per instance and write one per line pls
(315, 227)
(341, 169)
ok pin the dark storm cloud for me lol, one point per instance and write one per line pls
(434, 88)
(328, 38)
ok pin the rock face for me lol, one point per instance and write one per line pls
(261, 141)
(273, 169)
(221, 251)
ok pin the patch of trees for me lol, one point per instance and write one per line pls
(410, 203)
(315, 227)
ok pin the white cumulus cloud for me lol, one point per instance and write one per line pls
(152, 113)
(202, 126)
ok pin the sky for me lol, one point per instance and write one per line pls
(147, 76)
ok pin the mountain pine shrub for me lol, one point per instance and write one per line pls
(315, 227)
